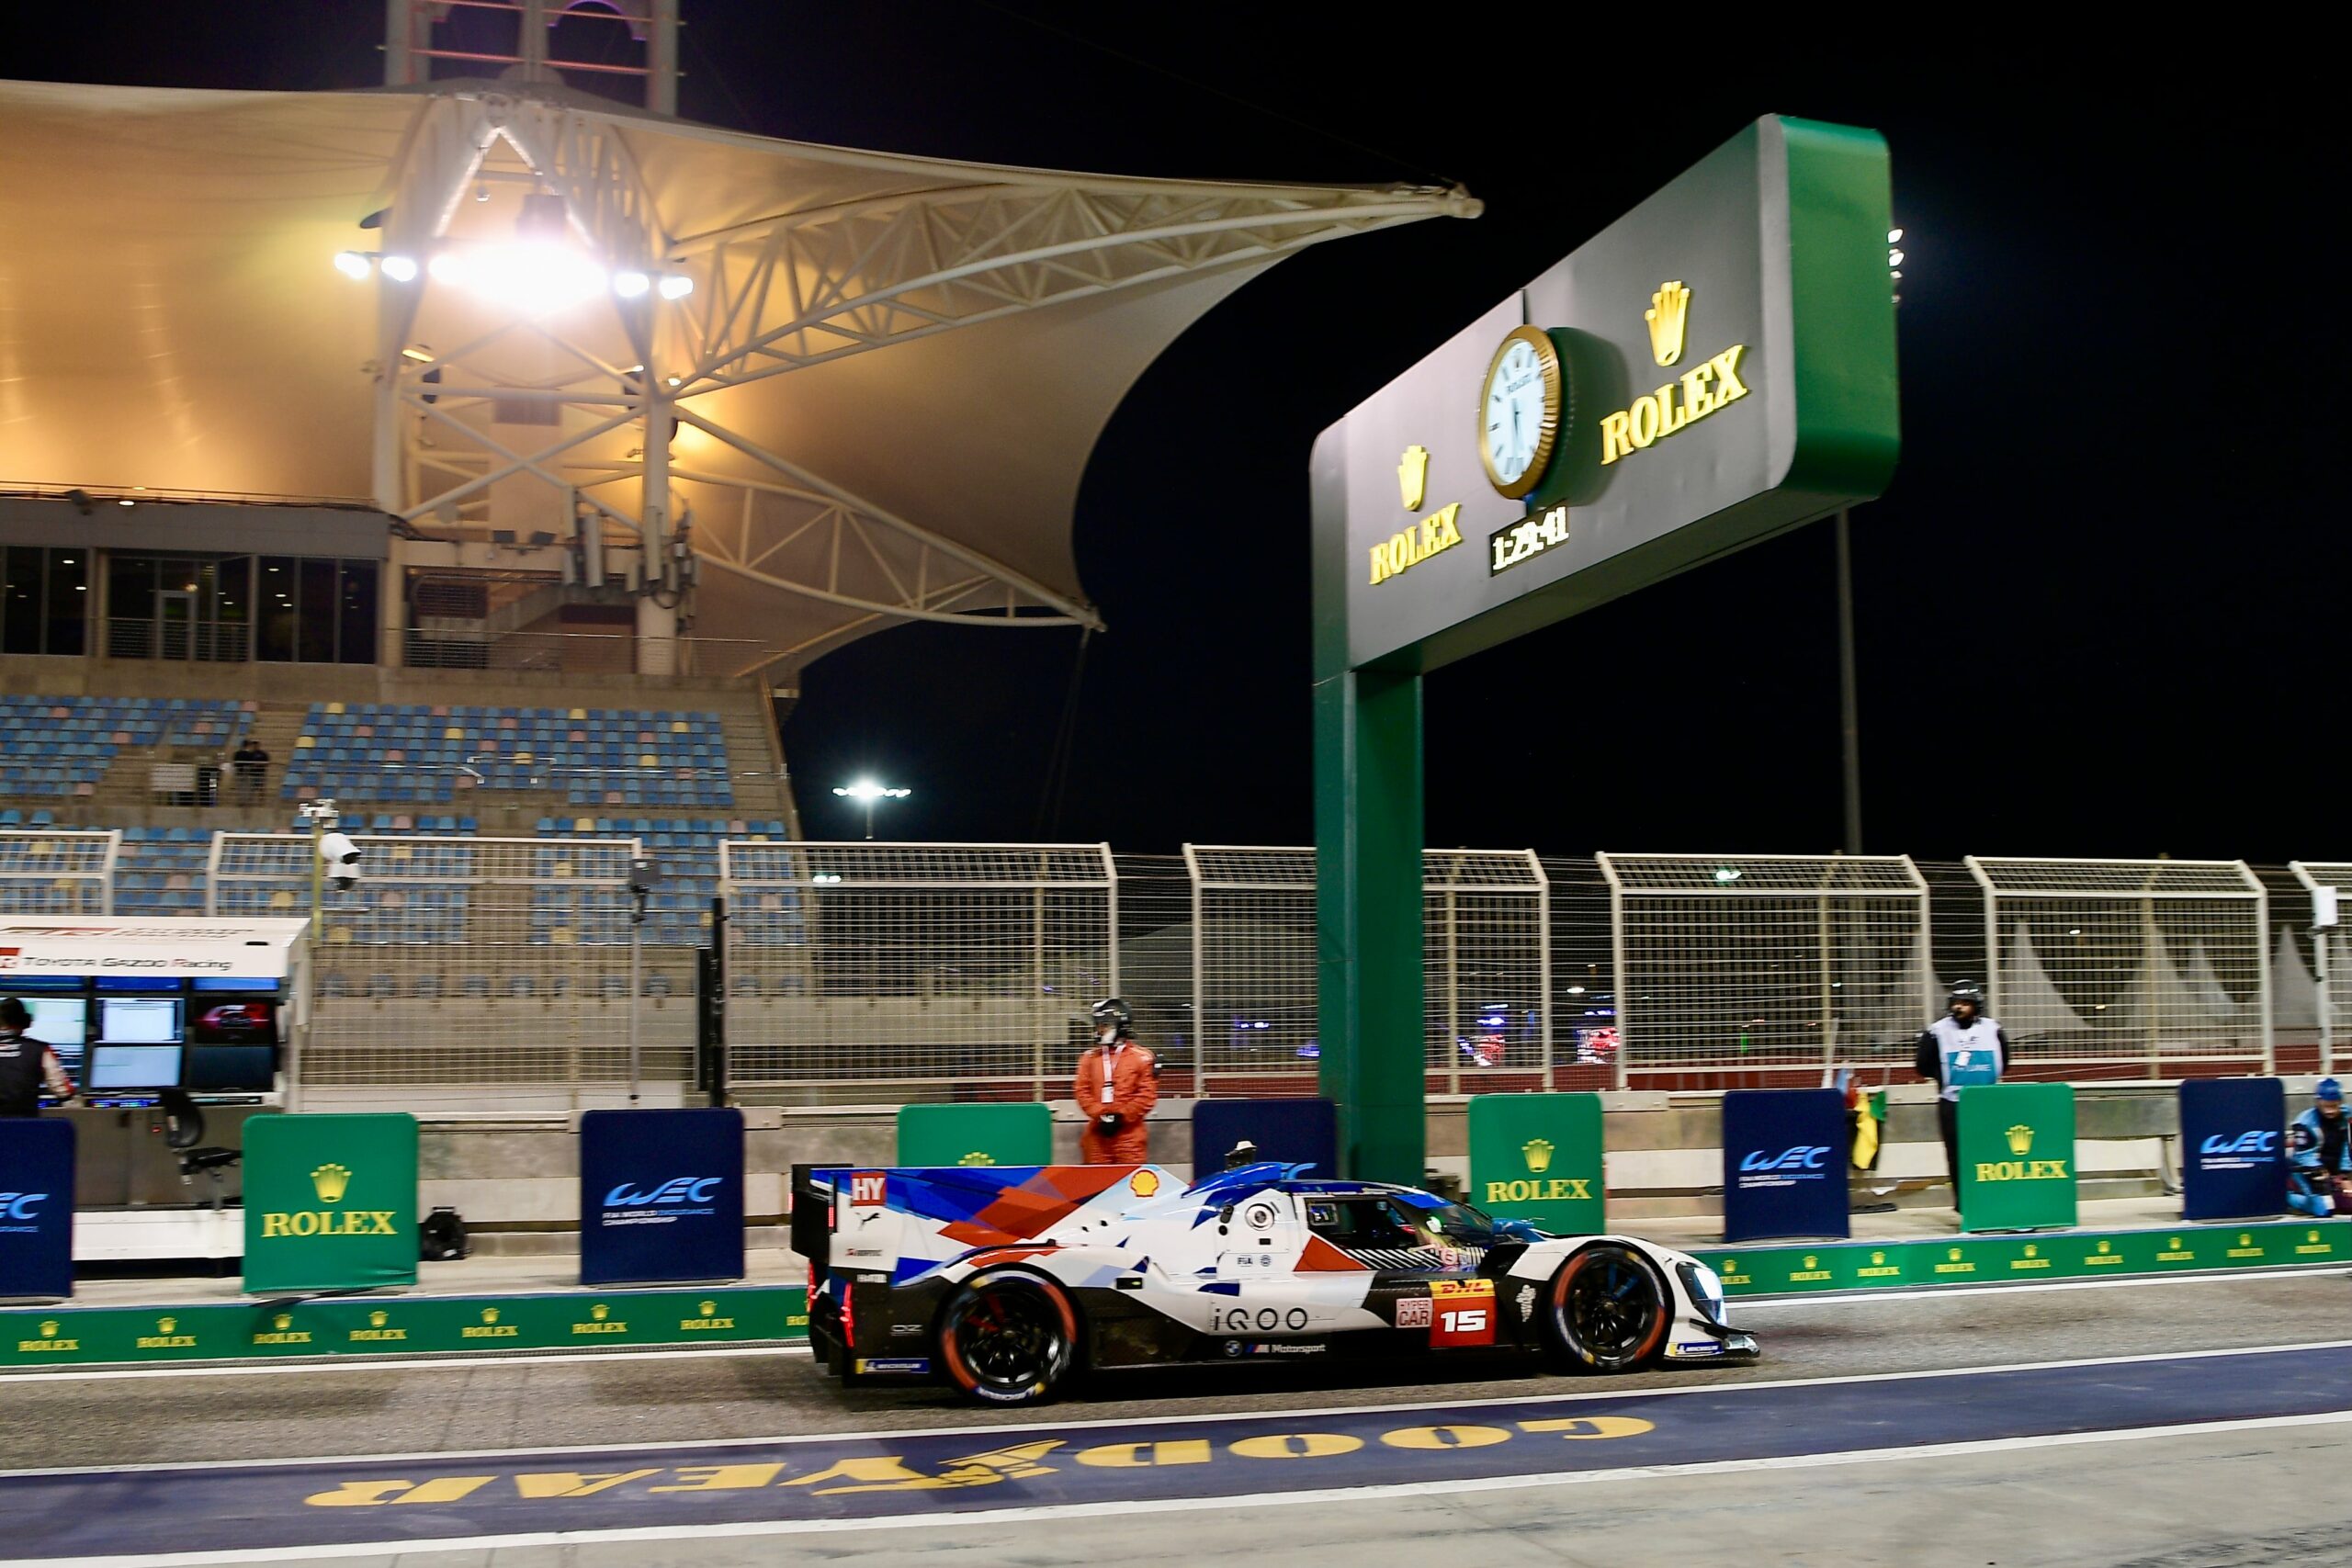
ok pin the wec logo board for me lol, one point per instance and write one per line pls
(1804, 1156)
(2255, 1143)
(680, 1190)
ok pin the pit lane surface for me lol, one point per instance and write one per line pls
(1769, 1435)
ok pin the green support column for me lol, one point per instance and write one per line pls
(1368, 918)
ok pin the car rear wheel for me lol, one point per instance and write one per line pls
(1008, 1338)
(1609, 1309)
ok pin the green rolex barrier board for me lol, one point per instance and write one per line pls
(976, 1135)
(2017, 1157)
(1990, 1260)
(1537, 1158)
(330, 1202)
(66, 1336)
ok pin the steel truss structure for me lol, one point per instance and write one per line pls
(2331, 952)
(948, 247)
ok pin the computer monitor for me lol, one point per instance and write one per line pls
(233, 1020)
(230, 1069)
(62, 1023)
(139, 1021)
(141, 983)
(115, 1069)
(260, 984)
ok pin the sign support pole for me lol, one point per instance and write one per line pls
(1368, 898)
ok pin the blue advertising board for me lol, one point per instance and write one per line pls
(661, 1197)
(1784, 1163)
(36, 1209)
(1301, 1132)
(2233, 1153)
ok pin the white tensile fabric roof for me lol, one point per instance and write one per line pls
(169, 318)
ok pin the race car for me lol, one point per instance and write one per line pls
(1008, 1282)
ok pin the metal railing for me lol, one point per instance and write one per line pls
(199, 642)
(618, 653)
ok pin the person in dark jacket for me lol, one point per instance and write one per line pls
(1962, 1048)
(29, 1068)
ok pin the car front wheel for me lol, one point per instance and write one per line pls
(1609, 1309)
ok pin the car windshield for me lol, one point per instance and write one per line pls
(1449, 1225)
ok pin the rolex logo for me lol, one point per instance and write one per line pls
(48, 1328)
(2021, 1139)
(707, 1308)
(1669, 307)
(978, 1157)
(1539, 1153)
(490, 1314)
(331, 1182)
(282, 1322)
(1412, 475)
(167, 1325)
(600, 1312)
(377, 1319)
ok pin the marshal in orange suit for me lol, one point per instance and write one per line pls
(1117, 1086)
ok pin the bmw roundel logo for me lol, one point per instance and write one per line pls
(1233, 1347)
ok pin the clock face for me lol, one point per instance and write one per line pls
(1519, 418)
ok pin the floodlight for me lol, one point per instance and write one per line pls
(351, 263)
(629, 285)
(534, 276)
(400, 269)
(1894, 236)
(677, 286)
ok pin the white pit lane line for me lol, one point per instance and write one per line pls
(977, 1517)
(993, 1430)
(457, 1360)
(1741, 1307)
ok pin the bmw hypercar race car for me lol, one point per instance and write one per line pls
(1006, 1282)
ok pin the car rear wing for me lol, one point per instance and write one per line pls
(813, 1186)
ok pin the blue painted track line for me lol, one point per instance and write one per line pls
(1090, 1461)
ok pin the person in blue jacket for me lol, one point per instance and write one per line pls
(2319, 1154)
(1959, 1050)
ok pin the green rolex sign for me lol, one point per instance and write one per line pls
(1537, 1158)
(330, 1202)
(976, 1135)
(2017, 1157)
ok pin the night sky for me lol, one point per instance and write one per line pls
(2101, 610)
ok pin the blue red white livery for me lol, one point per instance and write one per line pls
(1008, 1282)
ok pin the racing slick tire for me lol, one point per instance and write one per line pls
(1610, 1310)
(1008, 1336)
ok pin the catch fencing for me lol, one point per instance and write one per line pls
(472, 975)
(57, 871)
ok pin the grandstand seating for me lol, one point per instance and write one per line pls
(61, 746)
(412, 752)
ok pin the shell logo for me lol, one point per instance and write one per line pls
(1143, 1183)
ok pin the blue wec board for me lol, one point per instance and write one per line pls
(1299, 1132)
(1784, 1163)
(36, 1209)
(661, 1197)
(2233, 1155)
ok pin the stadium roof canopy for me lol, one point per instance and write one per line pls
(889, 373)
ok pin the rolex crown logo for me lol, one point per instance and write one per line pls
(2106, 1247)
(1877, 1259)
(1669, 307)
(600, 1312)
(167, 1325)
(331, 1182)
(376, 1319)
(2031, 1250)
(1953, 1254)
(1412, 475)
(978, 1157)
(709, 1309)
(48, 1328)
(2021, 1139)
(1539, 1154)
(490, 1314)
(282, 1322)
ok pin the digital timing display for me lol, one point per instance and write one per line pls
(1526, 539)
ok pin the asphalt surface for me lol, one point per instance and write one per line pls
(2231, 1493)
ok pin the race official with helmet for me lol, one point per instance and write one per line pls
(1959, 1050)
(1117, 1086)
(29, 1068)
(2319, 1154)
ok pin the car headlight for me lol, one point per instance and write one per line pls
(1705, 1288)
